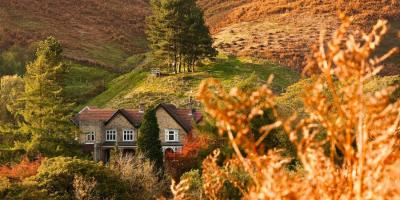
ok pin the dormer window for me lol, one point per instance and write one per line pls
(111, 135)
(171, 135)
(90, 137)
(128, 135)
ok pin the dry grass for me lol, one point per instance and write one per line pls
(361, 130)
(285, 31)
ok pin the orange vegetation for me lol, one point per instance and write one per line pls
(360, 129)
(24, 169)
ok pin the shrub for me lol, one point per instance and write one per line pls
(141, 177)
(178, 163)
(84, 189)
(194, 183)
(24, 169)
(56, 177)
(24, 190)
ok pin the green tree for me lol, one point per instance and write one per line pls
(149, 139)
(177, 33)
(45, 126)
(11, 88)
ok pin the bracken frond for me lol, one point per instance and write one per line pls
(361, 130)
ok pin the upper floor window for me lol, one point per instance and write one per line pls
(171, 135)
(90, 137)
(111, 135)
(128, 135)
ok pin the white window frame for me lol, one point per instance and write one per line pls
(90, 137)
(109, 133)
(128, 133)
(167, 134)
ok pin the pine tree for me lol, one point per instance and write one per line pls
(45, 123)
(149, 138)
(177, 33)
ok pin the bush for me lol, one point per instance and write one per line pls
(140, 176)
(24, 190)
(195, 184)
(56, 176)
(24, 169)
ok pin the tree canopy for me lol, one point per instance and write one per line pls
(177, 33)
(44, 125)
(148, 141)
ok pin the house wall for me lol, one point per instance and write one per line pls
(120, 123)
(88, 126)
(165, 121)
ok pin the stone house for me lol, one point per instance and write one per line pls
(105, 129)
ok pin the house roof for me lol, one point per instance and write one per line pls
(184, 117)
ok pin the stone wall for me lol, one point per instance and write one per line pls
(88, 126)
(120, 123)
(165, 121)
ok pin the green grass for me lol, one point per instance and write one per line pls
(138, 86)
(229, 69)
(108, 53)
(83, 82)
(118, 87)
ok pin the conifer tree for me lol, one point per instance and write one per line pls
(177, 33)
(149, 138)
(45, 123)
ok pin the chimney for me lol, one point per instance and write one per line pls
(191, 105)
(141, 108)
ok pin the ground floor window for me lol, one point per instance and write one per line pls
(128, 135)
(111, 135)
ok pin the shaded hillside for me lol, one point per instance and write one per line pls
(284, 31)
(95, 31)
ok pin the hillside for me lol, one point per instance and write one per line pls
(139, 86)
(285, 31)
(97, 32)
(107, 39)
(108, 33)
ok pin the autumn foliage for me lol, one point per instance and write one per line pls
(182, 161)
(24, 169)
(360, 128)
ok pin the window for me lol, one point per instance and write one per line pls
(90, 137)
(128, 135)
(111, 135)
(171, 135)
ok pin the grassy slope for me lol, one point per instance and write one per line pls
(137, 87)
(101, 32)
(84, 82)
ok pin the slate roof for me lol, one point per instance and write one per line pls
(184, 117)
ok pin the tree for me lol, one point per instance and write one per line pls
(177, 33)
(149, 139)
(45, 126)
